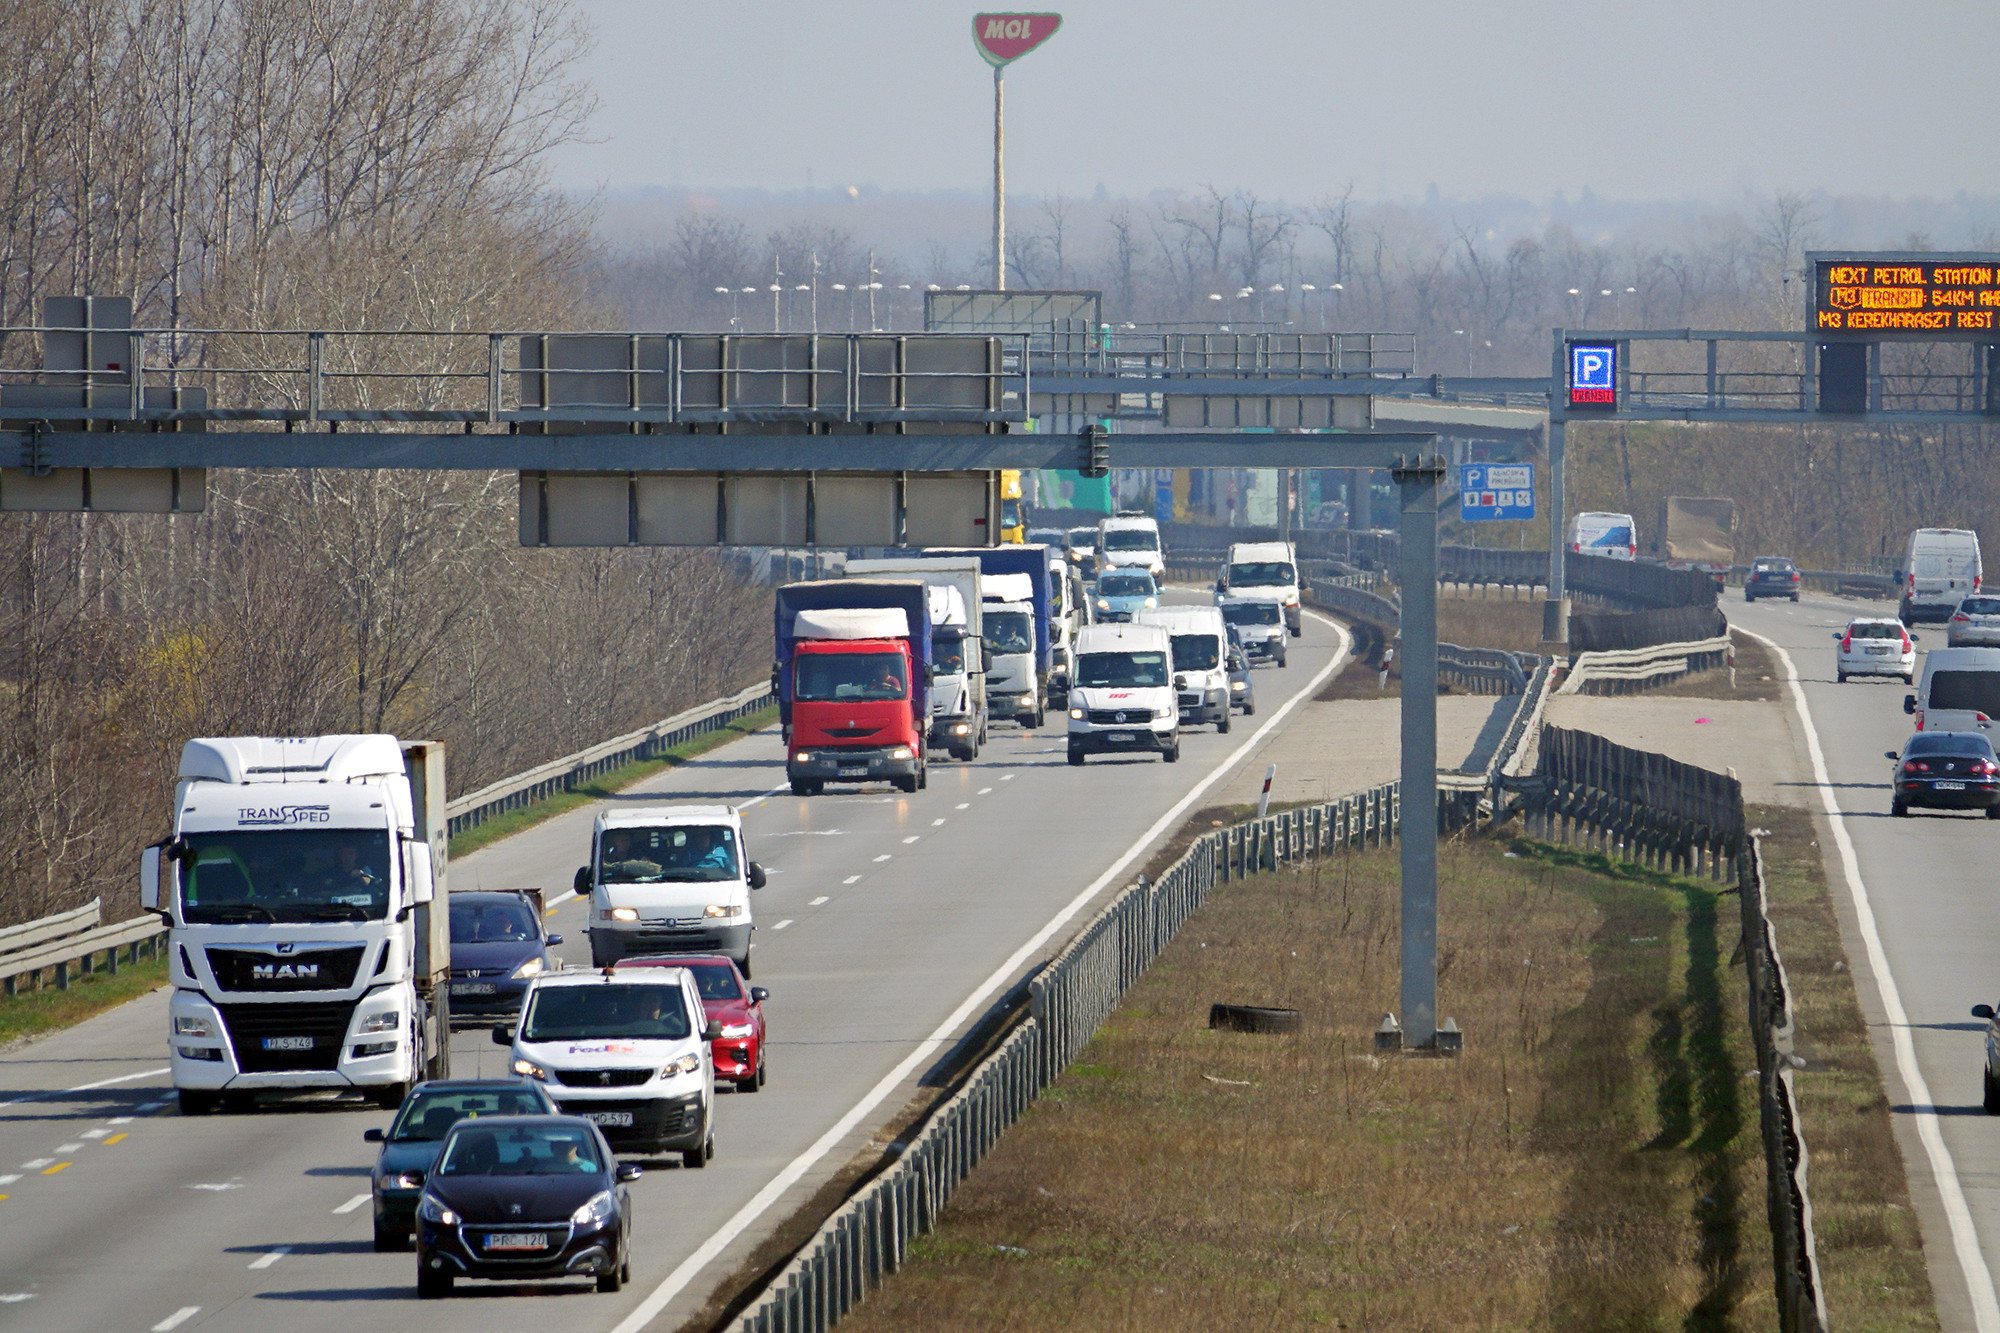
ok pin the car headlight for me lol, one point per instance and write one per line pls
(623, 914)
(432, 1209)
(1291, 599)
(387, 1021)
(1152, 601)
(1104, 603)
(529, 1069)
(803, 756)
(737, 1029)
(1236, 685)
(1166, 713)
(531, 968)
(900, 752)
(598, 1208)
(192, 1025)
(687, 1064)
(721, 910)
(404, 1180)
(1076, 713)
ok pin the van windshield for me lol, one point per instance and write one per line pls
(643, 1011)
(1974, 691)
(1250, 613)
(1126, 585)
(1009, 632)
(1130, 539)
(1100, 671)
(1262, 574)
(1196, 652)
(677, 854)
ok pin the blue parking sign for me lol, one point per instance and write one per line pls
(1490, 491)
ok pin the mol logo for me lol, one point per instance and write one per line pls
(276, 972)
(1002, 38)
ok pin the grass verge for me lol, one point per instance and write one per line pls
(527, 816)
(1590, 1162)
(1756, 678)
(33, 1013)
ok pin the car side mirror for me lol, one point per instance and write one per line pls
(553, 940)
(758, 995)
(713, 1032)
(628, 1172)
(1982, 1011)
(502, 1036)
(582, 881)
(1910, 704)
(756, 876)
(1890, 754)
(373, 1136)
(1838, 635)
(1916, 638)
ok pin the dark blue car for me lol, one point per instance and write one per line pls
(497, 946)
(410, 1144)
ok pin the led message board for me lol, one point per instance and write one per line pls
(1593, 377)
(1906, 295)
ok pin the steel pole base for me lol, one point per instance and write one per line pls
(1555, 623)
(1447, 1041)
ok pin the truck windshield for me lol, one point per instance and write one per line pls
(1126, 585)
(1009, 632)
(826, 677)
(677, 854)
(1196, 652)
(1101, 671)
(1262, 574)
(1130, 539)
(321, 874)
(644, 1011)
(1251, 613)
(1975, 691)
(949, 655)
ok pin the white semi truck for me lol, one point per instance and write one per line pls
(298, 883)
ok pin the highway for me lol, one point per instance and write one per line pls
(890, 924)
(1917, 908)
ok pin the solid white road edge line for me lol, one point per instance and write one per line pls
(1964, 1240)
(775, 1188)
(86, 1087)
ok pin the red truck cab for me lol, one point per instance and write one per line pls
(858, 711)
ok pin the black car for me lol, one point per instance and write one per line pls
(497, 947)
(525, 1197)
(1771, 576)
(1945, 770)
(410, 1144)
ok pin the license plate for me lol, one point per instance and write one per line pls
(615, 1119)
(1879, 652)
(1949, 786)
(1120, 737)
(474, 988)
(854, 770)
(288, 1043)
(518, 1240)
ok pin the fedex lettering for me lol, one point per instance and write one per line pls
(1002, 38)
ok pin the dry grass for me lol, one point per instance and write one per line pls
(1871, 1256)
(1505, 618)
(1756, 677)
(1590, 1162)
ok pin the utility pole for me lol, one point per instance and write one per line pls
(999, 180)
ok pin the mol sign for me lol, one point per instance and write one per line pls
(1002, 38)
(1907, 295)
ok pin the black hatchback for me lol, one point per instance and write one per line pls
(1945, 770)
(1771, 576)
(525, 1197)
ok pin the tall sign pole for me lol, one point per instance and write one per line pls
(1003, 39)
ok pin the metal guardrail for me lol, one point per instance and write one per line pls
(1637, 669)
(559, 775)
(28, 934)
(73, 938)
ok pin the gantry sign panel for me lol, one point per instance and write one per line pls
(1906, 295)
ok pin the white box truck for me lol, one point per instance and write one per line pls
(298, 885)
(958, 684)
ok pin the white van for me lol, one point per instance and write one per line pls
(1940, 569)
(669, 879)
(1263, 572)
(1121, 695)
(1613, 535)
(1130, 543)
(1958, 691)
(1201, 660)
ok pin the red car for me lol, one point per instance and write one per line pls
(729, 1000)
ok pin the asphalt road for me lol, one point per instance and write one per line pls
(1922, 933)
(889, 925)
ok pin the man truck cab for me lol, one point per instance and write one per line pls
(1263, 572)
(669, 879)
(1122, 699)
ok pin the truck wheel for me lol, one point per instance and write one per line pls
(801, 787)
(905, 784)
(1173, 754)
(743, 966)
(390, 1096)
(1075, 760)
(197, 1103)
(923, 774)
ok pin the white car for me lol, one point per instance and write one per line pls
(628, 1051)
(1975, 624)
(1875, 648)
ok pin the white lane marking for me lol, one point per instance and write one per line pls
(782, 924)
(8, 1180)
(1951, 1195)
(937, 823)
(94, 1134)
(552, 904)
(15, 1297)
(37, 1164)
(852, 879)
(883, 857)
(118, 1120)
(88, 1087)
(218, 1187)
(354, 1203)
(965, 805)
(176, 1319)
(759, 800)
(1006, 777)
(817, 901)
(982, 791)
(907, 841)
(149, 1107)
(721, 1238)
(70, 1147)
(270, 1257)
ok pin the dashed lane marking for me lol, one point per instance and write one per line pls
(37, 1164)
(14, 1297)
(982, 791)
(8, 1180)
(354, 1203)
(59, 1166)
(852, 879)
(883, 857)
(817, 901)
(782, 924)
(1006, 777)
(70, 1148)
(965, 805)
(907, 841)
(937, 823)
(119, 1120)
(94, 1134)
(176, 1319)
(270, 1257)
(115, 1138)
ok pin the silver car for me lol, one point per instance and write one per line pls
(1976, 624)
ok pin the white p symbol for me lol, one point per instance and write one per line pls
(1590, 367)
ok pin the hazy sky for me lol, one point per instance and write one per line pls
(1663, 99)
